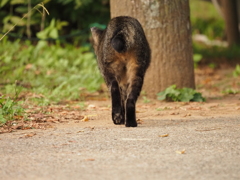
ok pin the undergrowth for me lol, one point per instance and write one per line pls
(10, 108)
(184, 95)
(52, 71)
(236, 72)
(206, 20)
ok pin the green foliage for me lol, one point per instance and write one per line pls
(10, 107)
(217, 51)
(146, 100)
(65, 19)
(53, 71)
(52, 31)
(18, 9)
(230, 91)
(196, 59)
(212, 65)
(236, 72)
(206, 20)
(185, 94)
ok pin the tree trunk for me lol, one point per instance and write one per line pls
(168, 30)
(229, 8)
(238, 14)
(217, 5)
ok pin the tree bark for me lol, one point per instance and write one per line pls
(229, 8)
(168, 30)
(217, 5)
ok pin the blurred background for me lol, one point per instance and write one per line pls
(48, 56)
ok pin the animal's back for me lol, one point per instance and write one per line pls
(125, 34)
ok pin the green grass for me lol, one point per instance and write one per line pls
(10, 108)
(56, 73)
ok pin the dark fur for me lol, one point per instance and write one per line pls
(123, 56)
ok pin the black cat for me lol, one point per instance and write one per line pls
(123, 56)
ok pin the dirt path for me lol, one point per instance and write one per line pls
(172, 141)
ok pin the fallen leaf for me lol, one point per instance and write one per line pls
(28, 66)
(181, 152)
(30, 135)
(163, 135)
(139, 121)
(18, 117)
(167, 108)
(91, 159)
(187, 115)
(80, 131)
(72, 141)
(174, 113)
(194, 108)
(85, 119)
(91, 106)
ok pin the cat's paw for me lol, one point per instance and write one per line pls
(131, 123)
(118, 118)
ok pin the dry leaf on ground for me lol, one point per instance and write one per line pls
(30, 135)
(164, 135)
(181, 152)
(85, 118)
(91, 159)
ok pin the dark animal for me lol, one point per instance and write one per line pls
(123, 56)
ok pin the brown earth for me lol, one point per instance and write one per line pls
(96, 111)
